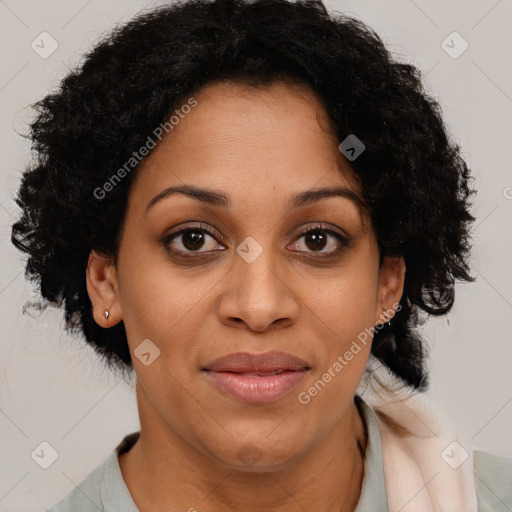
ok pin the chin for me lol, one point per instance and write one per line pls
(258, 457)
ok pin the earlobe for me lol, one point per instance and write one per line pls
(390, 288)
(102, 288)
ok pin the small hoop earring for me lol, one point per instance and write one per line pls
(386, 317)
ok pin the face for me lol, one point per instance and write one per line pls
(260, 267)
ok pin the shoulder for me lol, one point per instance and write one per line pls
(86, 496)
(103, 488)
(493, 480)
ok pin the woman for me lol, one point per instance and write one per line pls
(249, 205)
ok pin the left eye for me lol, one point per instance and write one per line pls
(317, 239)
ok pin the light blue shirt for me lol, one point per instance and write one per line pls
(105, 490)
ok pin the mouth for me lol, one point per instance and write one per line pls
(256, 378)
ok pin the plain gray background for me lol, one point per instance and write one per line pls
(52, 387)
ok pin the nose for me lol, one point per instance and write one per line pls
(259, 296)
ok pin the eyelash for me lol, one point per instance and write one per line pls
(166, 241)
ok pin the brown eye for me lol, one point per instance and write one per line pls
(190, 240)
(316, 240)
(319, 238)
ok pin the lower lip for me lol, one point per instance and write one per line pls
(255, 389)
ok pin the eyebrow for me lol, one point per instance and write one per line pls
(217, 198)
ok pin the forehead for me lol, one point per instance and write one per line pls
(250, 142)
(275, 119)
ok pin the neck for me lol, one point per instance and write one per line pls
(162, 471)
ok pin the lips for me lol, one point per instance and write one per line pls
(268, 362)
(256, 378)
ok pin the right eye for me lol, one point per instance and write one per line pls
(191, 240)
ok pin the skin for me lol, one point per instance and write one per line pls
(258, 146)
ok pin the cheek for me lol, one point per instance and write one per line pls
(346, 306)
(157, 301)
(330, 389)
(346, 301)
(172, 309)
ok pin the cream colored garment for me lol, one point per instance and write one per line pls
(423, 470)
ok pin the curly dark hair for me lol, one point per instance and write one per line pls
(413, 177)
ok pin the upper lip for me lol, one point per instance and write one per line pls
(243, 362)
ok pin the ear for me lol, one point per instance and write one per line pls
(103, 290)
(390, 288)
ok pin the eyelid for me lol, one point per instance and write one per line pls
(319, 225)
(343, 239)
(200, 226)
(326, 227)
